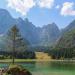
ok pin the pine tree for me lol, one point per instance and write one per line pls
(15, 42)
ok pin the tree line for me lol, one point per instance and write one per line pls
(62, 53)
(15, 46)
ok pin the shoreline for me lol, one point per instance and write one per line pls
(34, 60)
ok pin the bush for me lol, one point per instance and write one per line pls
(2, 57)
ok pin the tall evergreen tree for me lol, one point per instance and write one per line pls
(15, 42)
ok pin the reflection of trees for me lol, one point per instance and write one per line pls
(31, 65)
(42, 65)
(62, 65)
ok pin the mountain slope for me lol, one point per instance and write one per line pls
(27, 29)
(70, 26)
(49, 34)
(5, 20)
(44, 36)
(67, 40)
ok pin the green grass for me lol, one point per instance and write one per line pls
(29, 60)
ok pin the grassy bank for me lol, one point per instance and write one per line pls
(31, 60)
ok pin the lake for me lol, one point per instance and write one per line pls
(48, 67)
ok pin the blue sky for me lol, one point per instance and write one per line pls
(42, 12)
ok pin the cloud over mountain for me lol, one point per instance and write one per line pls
(68, 9)
(21, 6)
(24, 6)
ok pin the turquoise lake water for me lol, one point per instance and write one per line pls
(48, 68)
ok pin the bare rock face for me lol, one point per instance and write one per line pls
(17, 70)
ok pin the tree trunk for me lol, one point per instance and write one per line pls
(13, 61)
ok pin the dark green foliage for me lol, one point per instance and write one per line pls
(62, 53)
(5, 55)
(1, 57)
(25, 55)
(18, 55)
(65, 46)
(67, 40)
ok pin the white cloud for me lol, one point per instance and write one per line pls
(21, 6)
(68, 9)
(45, 3)
(24, 6)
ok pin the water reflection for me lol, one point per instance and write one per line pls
(61, 66)
(29, 65)
(47, 67)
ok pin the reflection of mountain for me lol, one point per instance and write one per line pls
(45, 36)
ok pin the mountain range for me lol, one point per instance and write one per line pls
(37, 36)
(47, 35)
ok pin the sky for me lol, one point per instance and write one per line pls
(42, 12)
